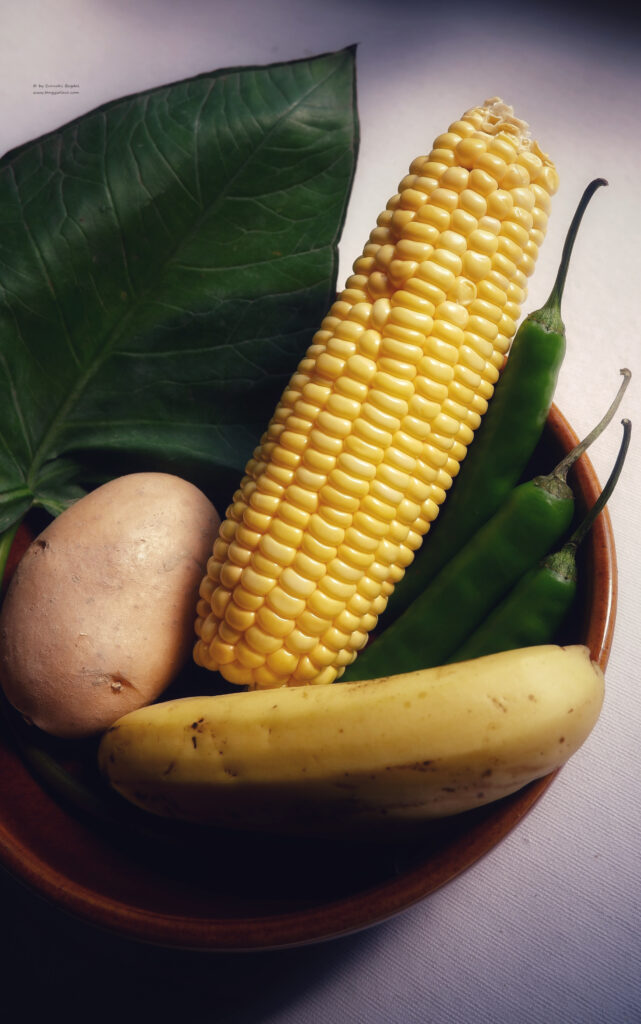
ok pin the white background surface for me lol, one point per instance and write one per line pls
(547, 928)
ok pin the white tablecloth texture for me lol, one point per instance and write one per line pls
(546, 929)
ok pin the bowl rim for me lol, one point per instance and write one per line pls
(355, 912)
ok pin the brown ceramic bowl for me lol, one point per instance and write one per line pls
(211, 890)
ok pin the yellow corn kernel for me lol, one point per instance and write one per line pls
(376, 419)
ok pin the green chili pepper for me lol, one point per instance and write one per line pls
(526, 527)
(535, 609)
(507, 437)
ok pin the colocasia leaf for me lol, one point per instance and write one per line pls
(164, 262)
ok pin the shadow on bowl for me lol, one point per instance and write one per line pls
(205, 889)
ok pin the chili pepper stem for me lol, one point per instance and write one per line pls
(585, 526)
(557, 480)
(549, 316)
(563, 562)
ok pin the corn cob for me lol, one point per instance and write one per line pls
(375, 421)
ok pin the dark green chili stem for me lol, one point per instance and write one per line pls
(99, 805)
(45, 768)
(566, 463)
(586, 525)
(549, 316)
(6, 540)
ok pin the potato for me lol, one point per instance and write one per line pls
(99, 616)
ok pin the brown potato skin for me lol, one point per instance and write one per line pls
(99, 615)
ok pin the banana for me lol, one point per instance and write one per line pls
(350, 757)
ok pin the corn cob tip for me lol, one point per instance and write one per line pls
(499, 117)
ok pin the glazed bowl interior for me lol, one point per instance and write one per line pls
(206, 889)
